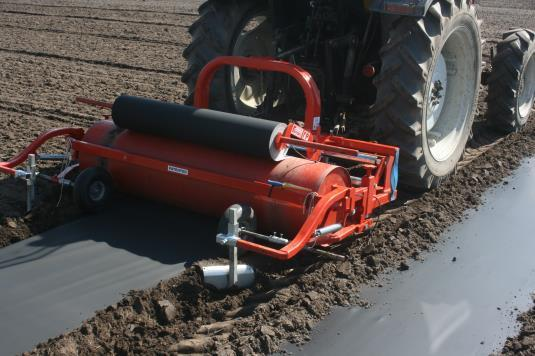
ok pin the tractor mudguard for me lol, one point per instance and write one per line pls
(417, 8)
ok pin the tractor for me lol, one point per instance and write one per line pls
(406, 73)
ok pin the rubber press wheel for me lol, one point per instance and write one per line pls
(93, 189)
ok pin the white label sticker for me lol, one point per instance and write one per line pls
(301, 133)
(178, 170)
(316, 123)
(297, 131)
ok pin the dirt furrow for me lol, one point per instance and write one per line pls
(53, 76)
(107, 9)
(27, 90)
(79, 60)
(499, 19)
(46, 96)
(104, 13)
(67, 118)
(509, 4)
(169, 6)
(148, 57)
(100, 35)
(149, 33)
(93, 18)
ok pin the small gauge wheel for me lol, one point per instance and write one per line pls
(93, 189)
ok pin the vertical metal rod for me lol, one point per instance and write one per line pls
(233, 266)
(233, 228)
(30, 182)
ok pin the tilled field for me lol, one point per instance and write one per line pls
(53, 51)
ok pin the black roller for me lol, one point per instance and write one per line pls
(230, 132)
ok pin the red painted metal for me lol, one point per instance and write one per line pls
(369, 71)
(7, 167)
(325, 204)
(318, 146)
(96, 103)
(305, 80)
(208, 181)
(7, 170)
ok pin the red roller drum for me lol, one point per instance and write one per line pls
(281, 210)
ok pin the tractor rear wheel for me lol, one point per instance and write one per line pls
(235, 27)
(512, 81)
(427, 90)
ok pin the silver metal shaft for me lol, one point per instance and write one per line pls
(30, 181)
(52, 157)
(283, 241)
(233, 228)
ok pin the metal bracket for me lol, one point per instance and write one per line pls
(52, 157)
(234, 230)
(282, 241)
(230, 239)
(233, 275)
(31, 178)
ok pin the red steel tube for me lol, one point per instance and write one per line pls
(7, 170)
(38, 142)
(92, 102)
(157, 165)
(311, 224)
(318, 146)
(208, 180)
(305, 80)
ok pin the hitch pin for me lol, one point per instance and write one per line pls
(326, 230)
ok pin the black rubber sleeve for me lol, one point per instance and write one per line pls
(230, 132)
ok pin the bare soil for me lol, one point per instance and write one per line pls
(524, 342)
(52, 51)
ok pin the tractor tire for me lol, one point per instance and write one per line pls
(511, 84)
(214, 34)
(427, 90)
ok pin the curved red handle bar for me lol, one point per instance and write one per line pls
(38, 142)
(304, 78)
